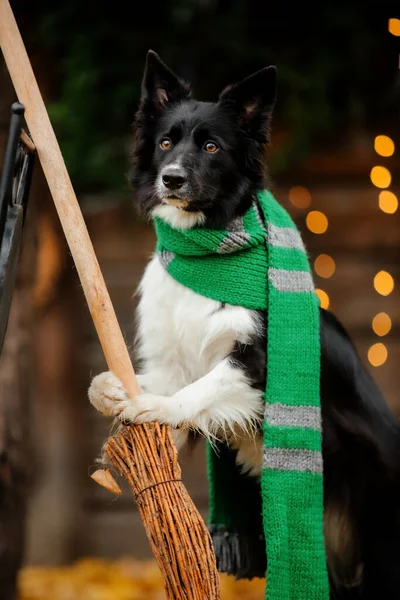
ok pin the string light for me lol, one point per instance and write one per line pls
(388, 202)
(381, 324)
(317, 221)
(323, 298)
(299, 196)
(384, 145)
(384, 283)
(381, 177)
(394, 27)
(377, 354)
(324, 266)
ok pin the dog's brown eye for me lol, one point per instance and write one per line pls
(211, 147)
(166, 144)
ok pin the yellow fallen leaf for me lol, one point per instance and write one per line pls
(125, 579)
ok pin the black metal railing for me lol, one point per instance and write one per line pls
(14, 192)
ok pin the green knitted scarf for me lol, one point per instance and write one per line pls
(259, 262)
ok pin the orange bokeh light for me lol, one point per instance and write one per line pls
(299, 196)
(384, 283)
(381, 177)
(377, 354)
(394, 27)
(384, 145)
(324, 266)
(381, 324)
(323, 298)
(388, 202)
(317, 221)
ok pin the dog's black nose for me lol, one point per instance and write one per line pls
(173, 177)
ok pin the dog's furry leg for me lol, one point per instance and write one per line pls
(221, 400)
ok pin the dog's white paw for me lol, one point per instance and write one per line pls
(107, 394)
(145, 409)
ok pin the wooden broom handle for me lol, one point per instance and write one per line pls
(67, 206)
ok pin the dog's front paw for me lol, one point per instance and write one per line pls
(107, 394)
(145, 409)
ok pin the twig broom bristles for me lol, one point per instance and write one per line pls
(147, 458)
(144, 454)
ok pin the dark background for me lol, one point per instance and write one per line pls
(338, 69)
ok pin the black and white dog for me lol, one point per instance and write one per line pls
(201, 163)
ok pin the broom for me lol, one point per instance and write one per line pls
(144, 454)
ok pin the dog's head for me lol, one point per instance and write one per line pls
(200, 162)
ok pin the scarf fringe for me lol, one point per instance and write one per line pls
(238, 553)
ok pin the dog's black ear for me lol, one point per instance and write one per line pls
(254, 97)
(160, 86)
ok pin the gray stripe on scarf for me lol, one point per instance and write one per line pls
(293, 416)
(284, 459)
(236, 225)
(235, 239)
(290, 281)
(166, 257)
(259, 216)
(284, 237)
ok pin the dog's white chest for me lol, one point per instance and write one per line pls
(186, 331)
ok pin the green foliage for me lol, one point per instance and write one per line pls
(326, 57)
